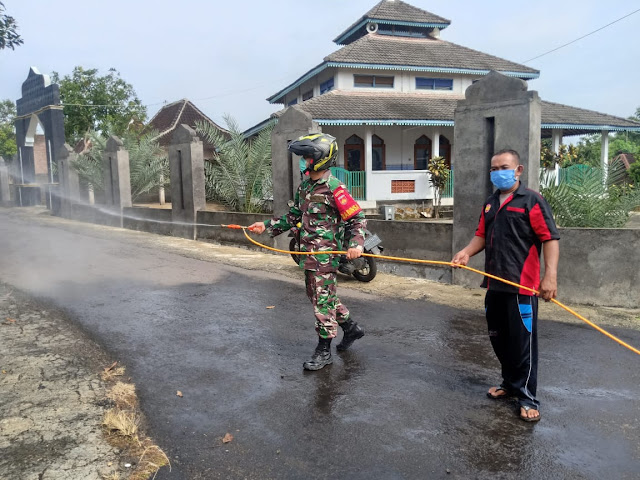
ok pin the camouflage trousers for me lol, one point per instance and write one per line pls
(327, 308)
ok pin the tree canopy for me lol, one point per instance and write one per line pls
(101, 103)
(7, 131)
(9, 37)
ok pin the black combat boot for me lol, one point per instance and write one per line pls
(321, 357)
(352, 332)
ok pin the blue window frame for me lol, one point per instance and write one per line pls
(326, 86)
(434, 83)
(292, 102)
(373, 81)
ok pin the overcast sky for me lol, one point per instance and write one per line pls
(229, 56)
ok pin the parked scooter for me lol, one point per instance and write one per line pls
(362, 268)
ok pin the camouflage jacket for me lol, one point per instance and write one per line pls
(325, 221)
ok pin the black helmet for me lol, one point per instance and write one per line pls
(322, 148)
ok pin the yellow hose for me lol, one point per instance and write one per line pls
(449, 264)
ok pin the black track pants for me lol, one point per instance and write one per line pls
(512, 320)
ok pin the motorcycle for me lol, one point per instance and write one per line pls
(363, 269)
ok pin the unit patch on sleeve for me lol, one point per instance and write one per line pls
(345, 203)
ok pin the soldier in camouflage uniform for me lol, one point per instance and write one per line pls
(327, 212)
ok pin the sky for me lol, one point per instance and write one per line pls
(227, 57)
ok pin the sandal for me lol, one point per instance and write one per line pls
(493, 395)
(527, 418)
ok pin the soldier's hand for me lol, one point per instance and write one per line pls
(354, 253)
(460, 258)
(257, 227)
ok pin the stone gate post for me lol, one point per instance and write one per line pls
(117, 181)
(5, 196)
(293, 123)
(498, 112)
(186, 160)
(69, 182)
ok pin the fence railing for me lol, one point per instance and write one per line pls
(355, 182)
(448, 189)
(570, 174)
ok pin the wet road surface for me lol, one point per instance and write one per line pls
(407, 402)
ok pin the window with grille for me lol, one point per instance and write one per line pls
(326, 86)
(373, 81)
(434, 83)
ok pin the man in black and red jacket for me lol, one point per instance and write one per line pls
(515, 226)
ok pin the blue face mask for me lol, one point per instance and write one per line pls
(503, 179)
(303, 164)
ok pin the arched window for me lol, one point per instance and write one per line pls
(445, 149)
(421, 152)
(354, 153)
(378, 152)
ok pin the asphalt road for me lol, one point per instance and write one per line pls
(407, 402)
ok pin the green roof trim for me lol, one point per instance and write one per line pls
(563, 126)
(420, 123)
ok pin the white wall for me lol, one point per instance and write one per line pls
(399, 142)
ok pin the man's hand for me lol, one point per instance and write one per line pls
(549, 284)
(548, 288)
(353, 253)
(460, 258)
(257, 227)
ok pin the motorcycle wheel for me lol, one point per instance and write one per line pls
(367, 273)
(294, 247)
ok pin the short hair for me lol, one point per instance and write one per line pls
(508, 150)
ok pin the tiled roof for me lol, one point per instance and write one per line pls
(556, 113)
(349, 105)
(171, 116)
(415, 107)
(397, 11)
(422, 52)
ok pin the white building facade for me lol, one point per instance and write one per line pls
(389, 95)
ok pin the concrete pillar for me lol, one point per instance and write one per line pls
(435, 143)
(604, 154)
(368, 162)
(293, 124)
(5, 195)
(556, 141)
(186, 161)
(498, 112)
(117, 181)
(161, 193)
(69, 187)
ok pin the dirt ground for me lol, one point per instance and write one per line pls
(53, 398)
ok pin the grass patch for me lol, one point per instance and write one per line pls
(122, 427)
(123, 395)
(121, 422)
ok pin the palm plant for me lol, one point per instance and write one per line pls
(148, 162)
(589, 200)
(88, 163)
(239, 174)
